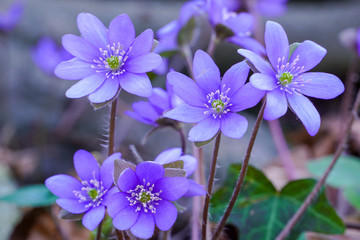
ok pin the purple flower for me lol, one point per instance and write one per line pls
(159, 102)
(47, 55)
(108, 60)
(213, 103)
(91, 194)
(358, 42)
(9, 19)
(190, 163)
(286, 80)
(241, 24)
(145, 199)
(168, 34)
(271, 8)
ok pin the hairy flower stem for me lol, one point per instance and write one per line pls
(197, 201)
(210, 185)
(282, 148)
(198, 153)
(110, 147)
(212, 44)
(98, 232)
(112, 127)
(241, 178)
(351, 78)
(183, 140)
(120, 235)
(340, 148)
(186, 50)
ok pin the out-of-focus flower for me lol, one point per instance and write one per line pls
(174, 154)
(107, 61)
(271, 8)
(213, 103)
(358, 41)
(47, 55)
(145, 199)
(151, 112)
(240, 24)
(91, 194)
(168, 34)
(349, 38)
(285, 78)
(10, 18)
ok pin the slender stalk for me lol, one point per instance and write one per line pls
(110, 147)
(120, 234)
(186, 50)
(112, 127)
(198, 153)
(98, 232)
(210, 185)
(212, 44)
(351, 78)
(241, 178)
(183, 140)
(282, 148)
(197, 201)
(295, 218)
(167, 235)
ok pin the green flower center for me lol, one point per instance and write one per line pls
(145, 197)
(113, 62)
(218, 105)
(93, 193)
(286, 78)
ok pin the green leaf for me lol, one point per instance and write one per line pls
(70, 216)
(345, 173)
(173, 172)
(200, 144)
(31, 196)
(261, 211)
(97, 106)
(292, 48)
(119, 166)
(223, 32)
(353, 196)
(186, 33)
(167, 54)
(177, 164)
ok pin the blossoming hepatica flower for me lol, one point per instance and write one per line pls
(91, 194)
(108, 60)
(145, 198)
(286, 81)
(213, 103)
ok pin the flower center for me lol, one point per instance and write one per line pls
(286, 78)
(289, 76)
(92, 193)
(112, 60)
(218, 103)
(144, 198)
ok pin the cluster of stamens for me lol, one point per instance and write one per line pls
(289, 75)
(91, 192)
(112, 60)
(144, 198)
(218, 103)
